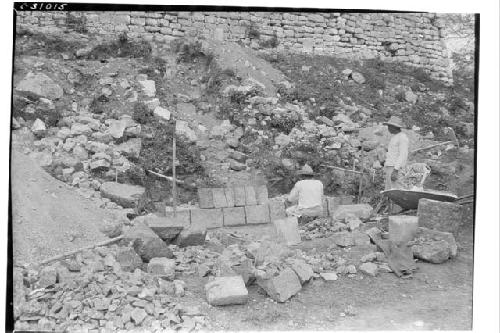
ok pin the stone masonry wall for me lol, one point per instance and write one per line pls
(415, 39)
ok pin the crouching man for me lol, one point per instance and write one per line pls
(307, 195)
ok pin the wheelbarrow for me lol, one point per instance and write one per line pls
(408, 199)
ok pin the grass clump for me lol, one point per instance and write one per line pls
(123, 47)
(141, 113)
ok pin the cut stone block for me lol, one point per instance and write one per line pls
(361, 211)
(211, 218)
(437, 215)
(162, 267)
(194, 235)
(333, 203)
(234, 216)
(239, 196)
(250, 197)
(168, 227)
(226, 290)
(281, 287)
(303, 270)
(205, 198)
(146, 243)
(287, 230)
(276, 209)
(402, 229)
(261, 194)
(257, 214)
(343, 239)
(229, 192)
(219, 197)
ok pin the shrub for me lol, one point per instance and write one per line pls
(141, 113)
(188, 51)
(121, 48)
(272, 42)
(76, 23)
(156, 152)
(253, 32)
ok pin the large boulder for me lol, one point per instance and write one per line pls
(281, 287)
(129, 260)
(125, 195)
(434, 246)
(40, 85)
(146, 243)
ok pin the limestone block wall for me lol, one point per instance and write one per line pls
(415, 39)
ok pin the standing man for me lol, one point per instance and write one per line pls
(308, 194)
(397, 152)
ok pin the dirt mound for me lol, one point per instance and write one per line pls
(48, 218)
(246, 64)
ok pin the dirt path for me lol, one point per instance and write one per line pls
(48, 217)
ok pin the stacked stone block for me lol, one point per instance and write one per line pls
(411, 38)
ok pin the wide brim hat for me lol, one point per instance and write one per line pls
(306, 170)
(395, 121)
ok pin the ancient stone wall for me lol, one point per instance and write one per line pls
(415, 39)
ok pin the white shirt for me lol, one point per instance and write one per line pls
(397, 151)
(308, 193)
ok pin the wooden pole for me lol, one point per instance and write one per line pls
(360, 188)
(431, 146)
(174, 182)
(70, 253)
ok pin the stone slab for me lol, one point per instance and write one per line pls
(205, 198)
(250, 197)
(234, 216)
(438, 215)
(402, 229)
(257, 214)
(226, 290)
(277, 209)
(219, 197)
(239, 196)
(261, 194)
(287, 230)
(211, 218)
(229, 192)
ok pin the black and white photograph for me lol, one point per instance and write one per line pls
(220, 168)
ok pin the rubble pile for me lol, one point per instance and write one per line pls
(104, 288)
